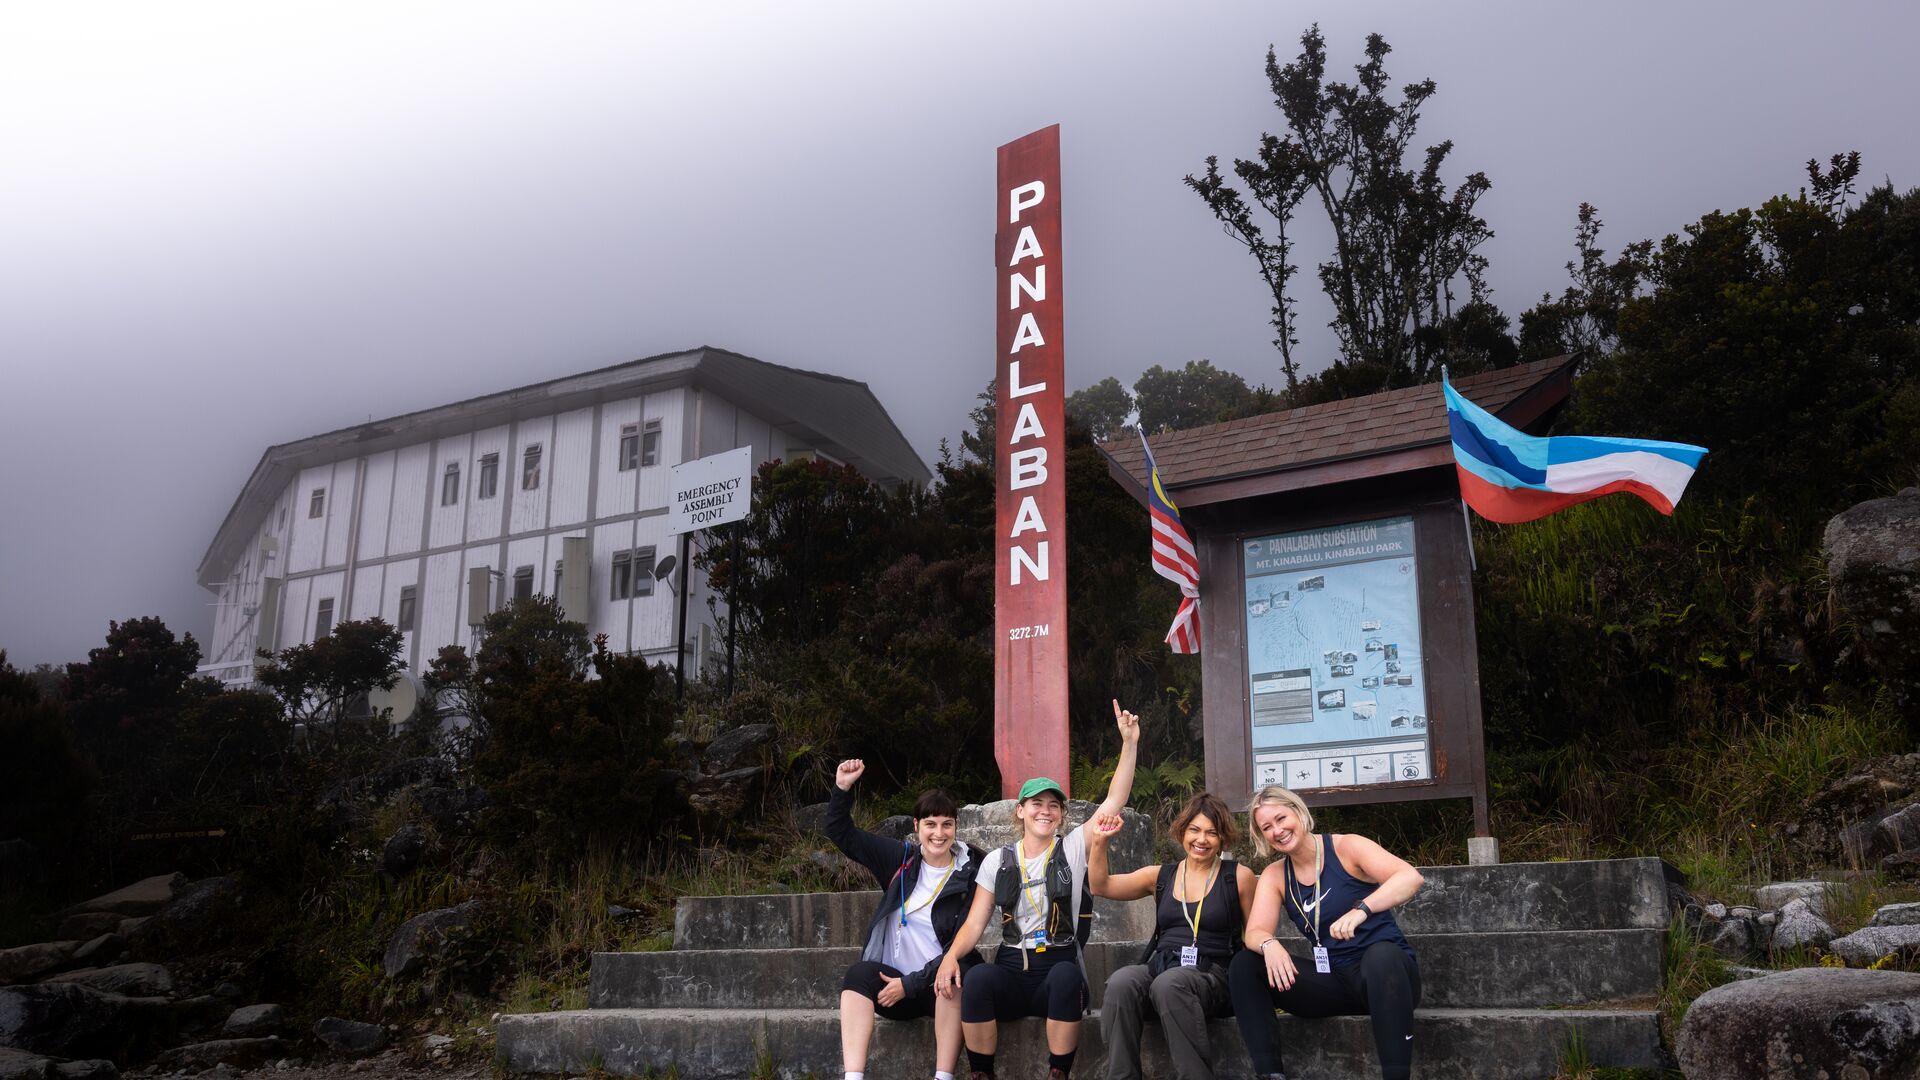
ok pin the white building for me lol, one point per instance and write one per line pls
(427, 518)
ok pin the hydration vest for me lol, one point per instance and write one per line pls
(1059, 889)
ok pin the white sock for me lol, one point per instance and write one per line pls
(856, 1076)
(943, 1076)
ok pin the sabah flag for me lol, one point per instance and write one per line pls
(1509, 476)
(1173, 558)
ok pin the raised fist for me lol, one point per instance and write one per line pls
(847, 773)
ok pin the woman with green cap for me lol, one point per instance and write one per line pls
(1039, 885)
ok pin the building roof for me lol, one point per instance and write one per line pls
(1380, 434)
(838, 416)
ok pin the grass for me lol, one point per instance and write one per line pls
(1691, 968)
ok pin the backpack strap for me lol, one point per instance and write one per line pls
(1006, 892)
(1161, 883)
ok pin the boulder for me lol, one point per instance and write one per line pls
(985, 826)
(255, 1020)
(350, 1038)
(1869, 943)
(1775, 896)
(1835, 1022)
(403, 850)
(1903, 866)
(419, 936)
(198, 906)
(1897, 832)
(242, 1053)
(897, 827)
(104, 949)
(738, 747)
(723, 795)
(133, 980)
(143, 897)
(20, 1065)
(89, 924)
(811, 818)
(62, 1019)
(1896, 915)
(1733, 938)
(28, 962)
(1800, 927)
(1873, 564)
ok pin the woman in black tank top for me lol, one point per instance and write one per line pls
(1339, 892)
(1200, 902)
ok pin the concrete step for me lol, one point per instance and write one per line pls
(728, 1044)
(1526, 970)
(1610, 894)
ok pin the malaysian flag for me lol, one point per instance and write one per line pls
(1174, 559)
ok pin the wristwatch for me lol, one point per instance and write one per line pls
(1361, 905)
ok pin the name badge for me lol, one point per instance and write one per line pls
(1321, 963)
(1189, 956)
(1038, 938)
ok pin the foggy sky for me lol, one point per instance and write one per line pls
(228, 226)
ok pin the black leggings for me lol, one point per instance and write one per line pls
(1051, 986)
(863, 978)
(1385, 984)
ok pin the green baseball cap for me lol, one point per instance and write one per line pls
(1039, 784)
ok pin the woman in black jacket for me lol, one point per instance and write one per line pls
(928, 883)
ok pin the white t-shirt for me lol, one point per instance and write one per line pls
(1030, 910)
(915, 945)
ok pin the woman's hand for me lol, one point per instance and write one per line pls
(1343, 928)
(946, 982)
(847, 773)
(1128, 723)
(1105, 825)
(1280, 970)
(891, 989)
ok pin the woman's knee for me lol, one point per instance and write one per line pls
(1174, 983)
(1063, 992)
(1129, 981)
(863, 978)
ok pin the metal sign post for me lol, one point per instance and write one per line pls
(707, 493)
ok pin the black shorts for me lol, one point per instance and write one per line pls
(863, 978)
(1050, 984)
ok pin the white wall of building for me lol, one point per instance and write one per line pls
(383, 518)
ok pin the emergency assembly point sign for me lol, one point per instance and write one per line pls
(711, 491)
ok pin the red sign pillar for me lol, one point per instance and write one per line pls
(1030, 560)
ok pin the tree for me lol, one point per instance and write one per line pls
(1584, 322)
(1187, 397)
(317, 681)
(43, 781)
(1402, 238)
(1102, 407)
(1782, 338)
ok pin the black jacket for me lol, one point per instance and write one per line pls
(895, 864)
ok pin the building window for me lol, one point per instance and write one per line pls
(632, 573)
(323, 619)
(650, 444)
(489, 476)
(450, 486)
(629, 446)
(409, 601)
(317, 505)
(643, 571)
(523, 583)
(530, 469)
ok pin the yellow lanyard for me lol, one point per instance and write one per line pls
(906, 911)
(1024, 886)
(1319, 888)
(1193, 920)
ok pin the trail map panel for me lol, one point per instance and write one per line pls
(1338, 683)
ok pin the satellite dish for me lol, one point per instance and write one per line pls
(664, 567)
(403, 698)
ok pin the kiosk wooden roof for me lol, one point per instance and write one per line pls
(1319, 445)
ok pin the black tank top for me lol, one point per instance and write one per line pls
(1342, 892)
(1217, 922)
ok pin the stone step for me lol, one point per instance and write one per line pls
(1609, 894)
(727, 1044)
(1518, 969)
